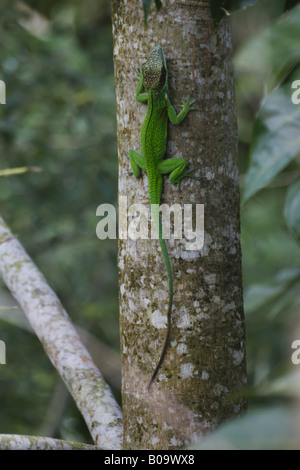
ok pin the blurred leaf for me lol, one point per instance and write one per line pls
(62, 120)
(287, 385)
(219, 9)
(147, 7)
(258, 295)
(270, 55)
(292, 209)
(281, 290)
(276, 141)
(289, 298)
(265, 429)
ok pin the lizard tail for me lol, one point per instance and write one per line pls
(165, 254)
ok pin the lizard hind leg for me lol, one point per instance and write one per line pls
(137, 162)
(176, 168)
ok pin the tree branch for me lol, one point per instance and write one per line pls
(61, 342)
(17, 442)
(105, 357)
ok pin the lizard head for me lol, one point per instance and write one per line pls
(155, 73)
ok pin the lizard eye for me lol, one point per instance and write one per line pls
(163, 74)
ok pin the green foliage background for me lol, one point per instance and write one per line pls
(59, 116)
(56, 61)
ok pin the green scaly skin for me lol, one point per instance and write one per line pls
(153, 77)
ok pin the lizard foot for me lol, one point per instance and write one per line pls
(186, 175)
(188, 104)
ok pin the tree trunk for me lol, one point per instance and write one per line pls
(199, 384)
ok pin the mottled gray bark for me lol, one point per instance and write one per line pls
(16, 442)
(200, 382)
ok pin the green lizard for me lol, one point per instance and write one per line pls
(153, 76)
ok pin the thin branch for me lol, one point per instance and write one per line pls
(105, 357)
(61, 342)
(17, 442)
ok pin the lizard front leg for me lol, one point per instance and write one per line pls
(186, 108)
(139, 96)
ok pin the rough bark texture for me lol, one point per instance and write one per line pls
(16, 442)
(201, 379)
